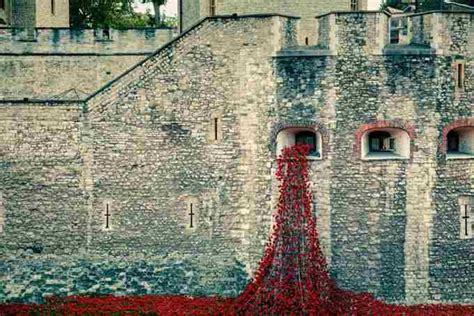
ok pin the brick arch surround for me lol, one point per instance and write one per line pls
(464, 122)
(317, 126)
(407, 127)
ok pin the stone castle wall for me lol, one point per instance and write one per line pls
(206, 74)
(40, 163)
(83, 60)
(146, 149)
(393, 225)
(145, 146)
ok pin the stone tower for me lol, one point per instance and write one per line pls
(191, 11)
(34, 13)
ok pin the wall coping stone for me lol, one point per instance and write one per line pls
(407, 50)
(447, 12)
(302, 51)
(79, 29)
(38, 102)
(345, 12)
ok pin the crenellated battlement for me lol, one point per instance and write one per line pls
(440, 32)
(341, 31)
(82, 41)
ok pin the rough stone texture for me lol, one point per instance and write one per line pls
(40, 165)
(306, 9)
(191, 13)
(382, 212)
(23, 13)
(143, 144)
(167, 116)
(64, 59)
(32, 277)
(46, 17)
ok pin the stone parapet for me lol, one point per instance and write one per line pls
(82, 41)
(447, 32)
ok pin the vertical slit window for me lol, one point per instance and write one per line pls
(466, 217)
(53, 9)
(215, 128)
(191, 209)
(2, 213)
(354, 5)
(212, 7)
(107, 215)
(191, 215)
(460, 76)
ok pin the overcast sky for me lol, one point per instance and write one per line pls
(171, 7)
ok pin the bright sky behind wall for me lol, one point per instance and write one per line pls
(171, 7)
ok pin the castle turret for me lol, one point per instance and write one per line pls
(34, 13)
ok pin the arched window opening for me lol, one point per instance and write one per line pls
(308, 136)
(385, 143)
(460, 143)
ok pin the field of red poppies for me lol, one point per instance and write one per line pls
(182, 305)
(292, 278)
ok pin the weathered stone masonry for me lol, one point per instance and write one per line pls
(52, 63)
(145, 144)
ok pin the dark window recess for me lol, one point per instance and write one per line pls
(53, 7)
(2, 4)
(453, 141)
(106, 34)
(354, 5)
(307, 138)
(306, 40)
(381, 142)
(216, 134)
(212, 7)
